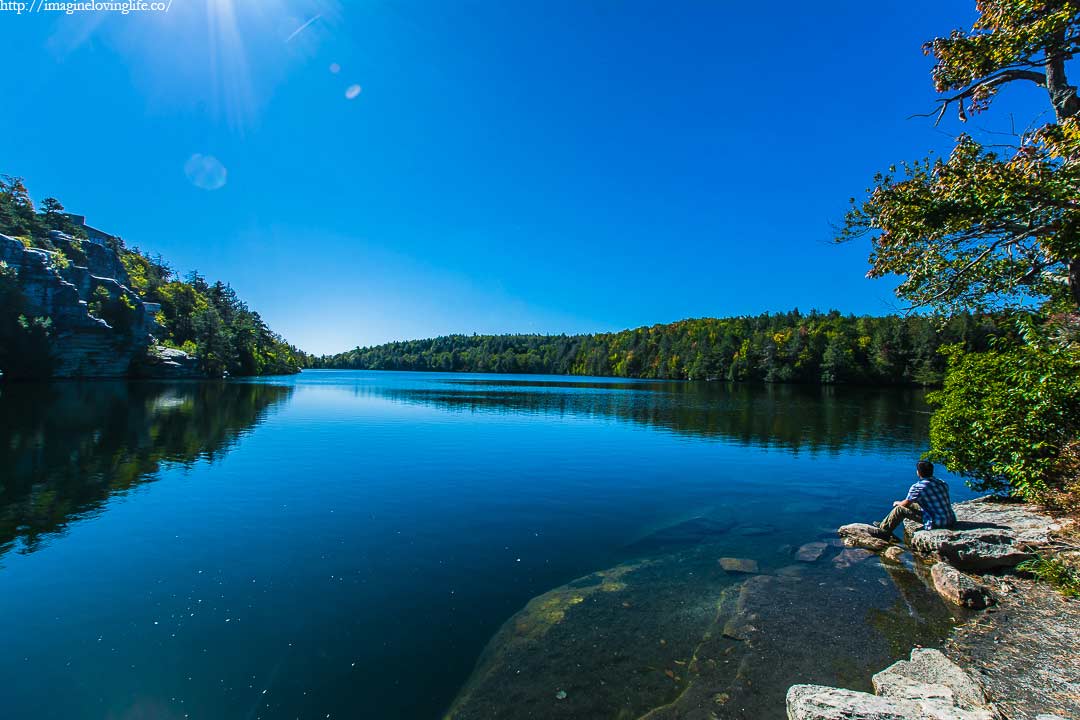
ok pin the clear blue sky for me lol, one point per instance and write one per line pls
(556, 166)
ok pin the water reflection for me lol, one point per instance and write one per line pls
(69, 446)
(789, 416)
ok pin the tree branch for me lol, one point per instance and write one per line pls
(1000, 78)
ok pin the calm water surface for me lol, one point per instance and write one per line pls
(346, 544)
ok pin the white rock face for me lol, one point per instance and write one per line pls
(927, 687)
(930, 668)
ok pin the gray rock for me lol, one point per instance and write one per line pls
(866, 536)
(971, 548)
(81, 345)
(810, 552)
(817, 702)
(958, 588)
(929, 668)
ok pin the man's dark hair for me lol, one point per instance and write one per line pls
(925, 468)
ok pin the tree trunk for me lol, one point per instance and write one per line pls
(1062, 94)
(1074, 280)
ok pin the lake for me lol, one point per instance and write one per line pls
(345, 544)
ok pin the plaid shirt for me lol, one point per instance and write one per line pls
(933, 497)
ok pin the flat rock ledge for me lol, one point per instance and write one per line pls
(989, 535)
(927, 687)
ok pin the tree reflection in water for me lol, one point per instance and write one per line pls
(68, 447)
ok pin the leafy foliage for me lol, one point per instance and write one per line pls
(1004, 416)
(786, 347)
(1056, 572)
(989, 226)
(996, 225)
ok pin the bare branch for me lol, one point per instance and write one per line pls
(999, 78)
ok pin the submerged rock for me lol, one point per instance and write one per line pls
(958, 588)
(739, 565)
(851, 556)
(811, 551)
(675, 637)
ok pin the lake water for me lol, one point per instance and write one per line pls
(397, 545)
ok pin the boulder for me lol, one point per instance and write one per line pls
(817, 702)
(958, 588)
(971, 548)
(866, 536)
(931, 670)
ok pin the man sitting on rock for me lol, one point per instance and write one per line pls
(927, 502)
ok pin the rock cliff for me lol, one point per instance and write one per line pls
(117, 341)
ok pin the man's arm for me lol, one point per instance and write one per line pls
(901, 503)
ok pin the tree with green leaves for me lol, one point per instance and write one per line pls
(990, 225)
(996, 227)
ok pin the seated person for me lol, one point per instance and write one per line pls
(927, 503)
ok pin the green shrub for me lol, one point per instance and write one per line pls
(1004, 416)
(1056, 572)
(119, 312)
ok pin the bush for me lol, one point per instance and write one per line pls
(1005, 416)
(1056, 572)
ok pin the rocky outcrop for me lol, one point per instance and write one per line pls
(80, 343)
(927, 687)
(988, 535)
(960, 589)
(1023, 653)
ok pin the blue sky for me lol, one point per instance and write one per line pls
(557, 166)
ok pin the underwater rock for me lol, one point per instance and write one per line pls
(739, 565)
(851, 556)
(958, 588)
(810, 552)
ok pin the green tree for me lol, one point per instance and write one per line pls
(1004, 417)
(989, 227)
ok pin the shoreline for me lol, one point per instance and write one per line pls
(1017, 647)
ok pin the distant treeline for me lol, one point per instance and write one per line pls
(814, 347)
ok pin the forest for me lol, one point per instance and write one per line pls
(204, 318)
(813, 347)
